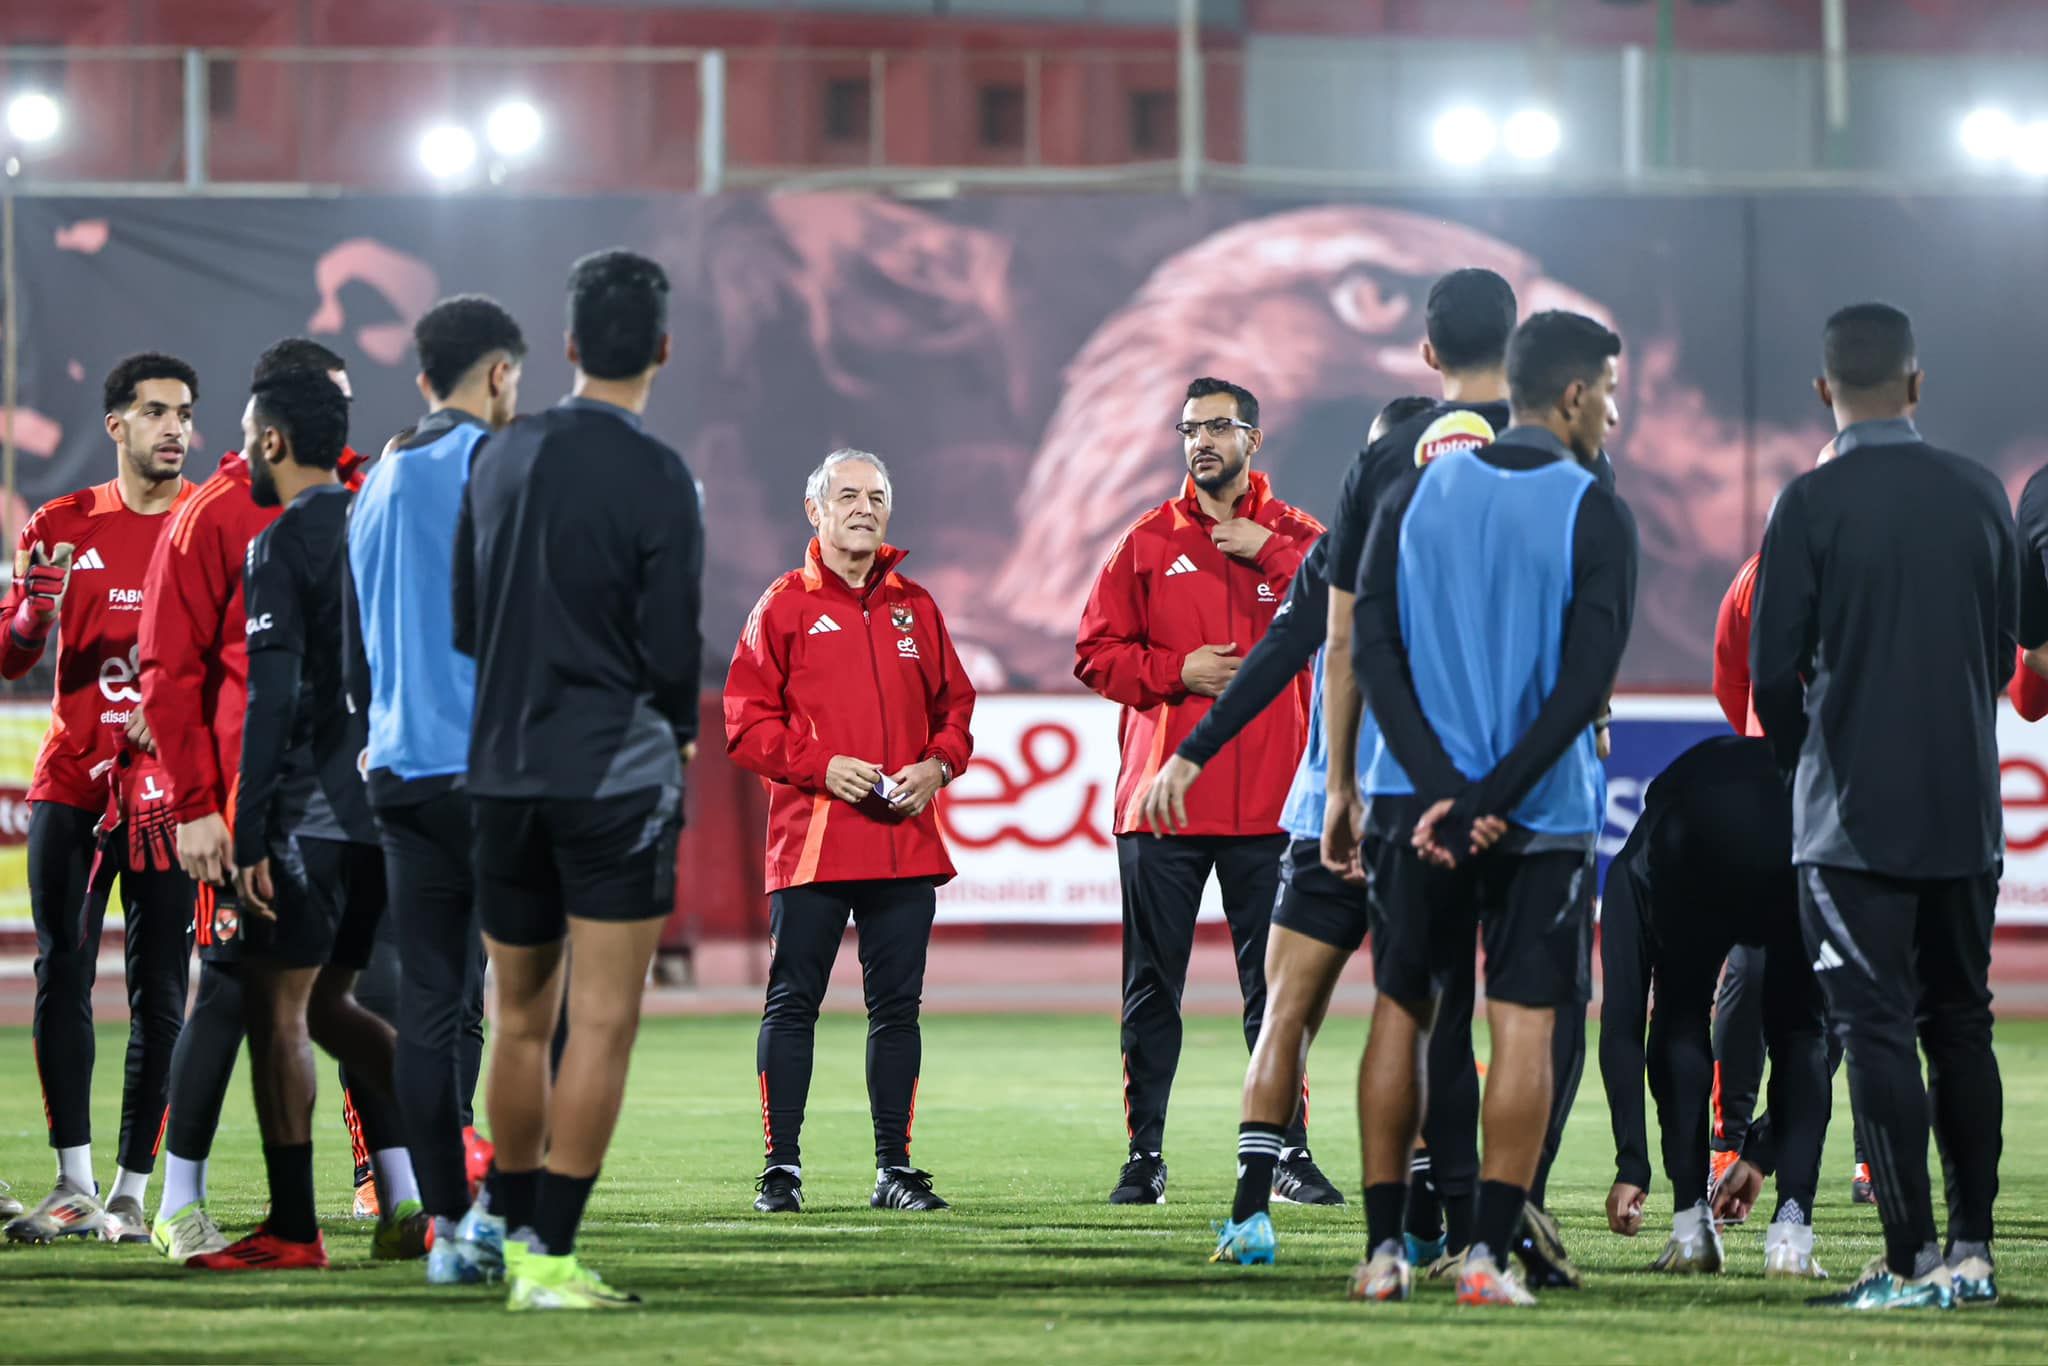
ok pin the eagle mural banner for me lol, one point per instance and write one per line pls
(1019, 361)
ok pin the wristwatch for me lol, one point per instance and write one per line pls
(945, 771)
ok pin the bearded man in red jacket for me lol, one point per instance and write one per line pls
(1189, 589)
(845, 695)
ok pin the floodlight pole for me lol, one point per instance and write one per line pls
(196, 115)
(711, 122)
(1632, 111)
(1667, 42)
(10, 350)
(1834, 37)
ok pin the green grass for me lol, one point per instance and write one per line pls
(1020, 1119)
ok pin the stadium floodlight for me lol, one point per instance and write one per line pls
(447, 150)
(513, 129)
(2030, 148)
(1532, 134)
(33, 116)
(1464, 136)
(1989, 134)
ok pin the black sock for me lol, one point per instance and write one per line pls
(1500, 1213)
(1425, 1211)
(1385, 1204)
(1461, 1212)
(510, 1196)
(1258, 1152)
(558, 1209)
(290, 1166)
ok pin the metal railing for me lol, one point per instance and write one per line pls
(1275, 113)
(227, 121)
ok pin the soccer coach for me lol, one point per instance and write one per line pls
(1193, 584)
(846, 696)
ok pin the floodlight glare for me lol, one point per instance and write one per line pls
(513, 128)
(1532, 134)
(2030, 148)
(1989, 134)
(1464, 137)
(33, 116)
(447, 151)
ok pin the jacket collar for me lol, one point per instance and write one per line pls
(438, 424)
(1257, 494)
(1878, 431)
(817, 576)
(577, 402)
(1537, 438)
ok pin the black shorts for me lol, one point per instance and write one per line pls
(1316, 902)
(541, 860)
(329, 898)
(1530, 910)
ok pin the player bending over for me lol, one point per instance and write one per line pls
(1707, 867)
(1739, 1049)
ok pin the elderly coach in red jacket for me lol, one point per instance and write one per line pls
(1187, 592)
(846, 696)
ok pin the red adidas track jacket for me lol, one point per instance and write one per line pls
(194, 660)
(823, 670)
(1731, 651)
(1165, 591)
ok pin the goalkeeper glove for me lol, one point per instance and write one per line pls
(42, 592)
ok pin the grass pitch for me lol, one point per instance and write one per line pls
(1020, 1120)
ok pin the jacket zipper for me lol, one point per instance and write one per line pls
(1238, 824)
(881, 705)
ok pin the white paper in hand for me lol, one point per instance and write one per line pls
(885, 789)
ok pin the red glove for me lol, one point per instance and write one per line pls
(139, 796)
(352, 467)
(43, 592)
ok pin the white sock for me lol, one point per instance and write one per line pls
(395, 1183)
(1797, 1236)
(132, 1184)
(796, 1171)
(75, 1165)
(184, 1182)
(1687, 1223)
